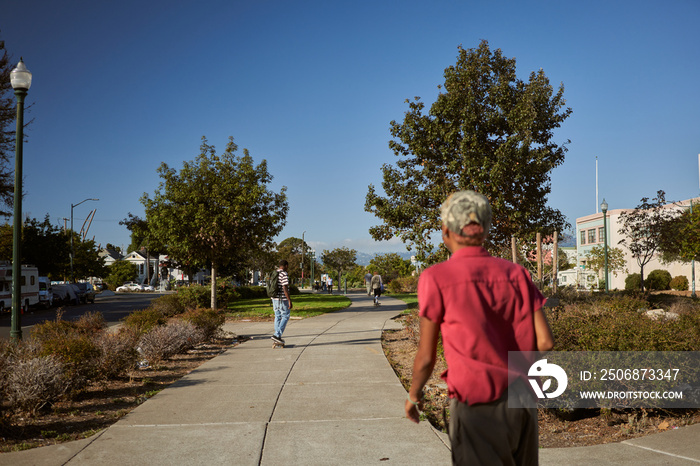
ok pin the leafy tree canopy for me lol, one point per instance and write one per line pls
(488, 131)
(291, 249)
(390, 266)
(340, 260)
(216, 211)
(681, 238)
(595, 259)
(48, 248)
(642, 229)
(120, 272)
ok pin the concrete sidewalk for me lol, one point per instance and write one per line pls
(329, 397)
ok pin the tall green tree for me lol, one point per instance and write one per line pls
(120, 272)
(681, 238)
(391, 266)
(642, 229)
(217, 210)
(48, 248)
(488, 131)
(340, 260)
(595, 259)
(292, 249)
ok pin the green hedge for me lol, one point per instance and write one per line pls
(619, 323)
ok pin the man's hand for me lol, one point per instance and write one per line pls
(413, 411)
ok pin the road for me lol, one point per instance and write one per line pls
(113, 307)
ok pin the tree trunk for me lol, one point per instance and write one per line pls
(213, 286)
(513, 249)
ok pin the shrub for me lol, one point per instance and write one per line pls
(72, 345)
(117, 352)
(167, 340)
(633, 282)
(91, 323)
(250, 292)
(679, 283)
(145, 320)
(614, 323)
(168, 305)
(403, 285)
(208, 321)
(34, 381)
(658, 280)
(196, 296)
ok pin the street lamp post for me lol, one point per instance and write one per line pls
(72, 251)
(21, 80)
(604, 208)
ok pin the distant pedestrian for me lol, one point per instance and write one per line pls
(368, 283)
(484, 307)
(281, 302)
(377, 287)
(330, 285)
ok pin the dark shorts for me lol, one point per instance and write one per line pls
(494, 434)
(377, 292)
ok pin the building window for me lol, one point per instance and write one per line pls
(583, 237)
(601, 235)
(591, 236)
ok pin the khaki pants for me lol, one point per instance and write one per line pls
(494, 434)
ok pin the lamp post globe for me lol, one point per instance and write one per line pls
(21, 81)
(604, 209)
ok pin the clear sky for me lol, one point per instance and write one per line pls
(311, 86)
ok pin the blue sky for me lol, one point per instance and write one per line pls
(311, 86)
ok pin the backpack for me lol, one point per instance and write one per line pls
(272, 284)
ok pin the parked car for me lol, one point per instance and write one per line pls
(148, 288)
(87, 292)
(129, 286)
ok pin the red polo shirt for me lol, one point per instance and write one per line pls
(485, 308)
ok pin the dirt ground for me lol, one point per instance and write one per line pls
(400, 348)
(103, 404)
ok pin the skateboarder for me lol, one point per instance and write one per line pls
(281, 302)
(377, 287)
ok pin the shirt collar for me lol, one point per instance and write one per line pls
(471, 251)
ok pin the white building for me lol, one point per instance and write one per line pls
(589, 233)
(158, 266)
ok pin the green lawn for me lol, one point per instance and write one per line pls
(411, 299)
(303, 305)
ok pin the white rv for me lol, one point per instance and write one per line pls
(29, 283)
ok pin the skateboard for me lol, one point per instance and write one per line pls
(277, 345)
(376, 304)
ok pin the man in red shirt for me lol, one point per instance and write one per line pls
(484, 307)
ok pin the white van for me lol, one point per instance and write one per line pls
(45, 292)
(29, 284)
